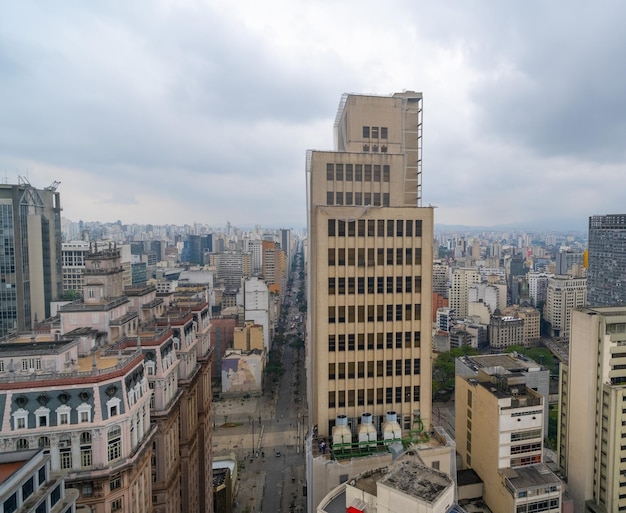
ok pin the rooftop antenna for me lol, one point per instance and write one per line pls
(53, 186)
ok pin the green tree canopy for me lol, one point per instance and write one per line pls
(443, 367)
(541, 355)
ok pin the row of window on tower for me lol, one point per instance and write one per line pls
(358, 172)
(387, 340)
(353, 370)
(375, 132)
(358, 199)
(375, 228)
(375, 256)
(381, 285)
(387, 395)
(342, 314)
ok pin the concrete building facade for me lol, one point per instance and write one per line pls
(606, 273)
(73, 267)
(492, 294)
(505, 331)
(441, 278)
(499, 434)
(532, 322)
(370, 267)
(458, 294)
(27, 483)
(538, 286)
(30, 263)
(256, 302)
(592, 395)
(564, 295)
(120, 392)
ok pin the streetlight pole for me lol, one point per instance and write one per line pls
(252, 424)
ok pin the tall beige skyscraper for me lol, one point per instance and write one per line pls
(370, 268)
(592, 423)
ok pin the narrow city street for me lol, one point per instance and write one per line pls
(265, 433)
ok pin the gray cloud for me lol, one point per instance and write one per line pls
(175, 112)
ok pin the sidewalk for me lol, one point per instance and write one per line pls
(233, 418)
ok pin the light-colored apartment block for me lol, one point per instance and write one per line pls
(458, 294)
(532, 322)
(592, 399)
(249, 337)
(564, 295)
(499, 427)
(73, 267)
(538, 286)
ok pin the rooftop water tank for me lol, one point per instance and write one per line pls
(341, 432)
(391, 427)
(367, 431)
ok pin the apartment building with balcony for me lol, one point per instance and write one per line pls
(499, 428)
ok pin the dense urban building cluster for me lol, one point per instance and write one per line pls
(383, 301)
(115, 338)
(108, 350)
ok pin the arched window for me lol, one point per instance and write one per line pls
(86, 453)
(21, 444)
(114, 439)
(65, 451)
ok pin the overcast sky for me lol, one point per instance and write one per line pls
(202, 111)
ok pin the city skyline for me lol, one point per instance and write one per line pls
(125, 104)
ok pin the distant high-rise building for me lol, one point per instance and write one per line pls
(285, 245)
(195, 247)
(591, 427)
(458, 294)
(73, 267)
(158, 248)
(440, 278)
(30, 263)
(606, 275)
(232, 266)
(370, 270)
(273, 266)
(256, 300)
(255, 248)
(538, 287)
(566, 260)
(563, 295)
(492, 294)
(139, 274)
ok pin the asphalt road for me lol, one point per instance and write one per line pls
(272, 475)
